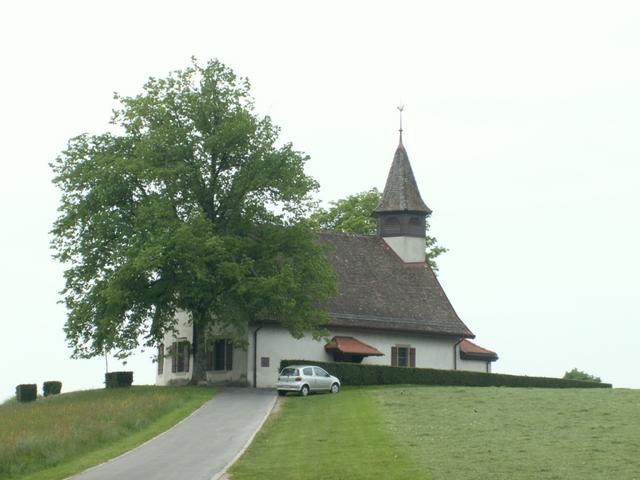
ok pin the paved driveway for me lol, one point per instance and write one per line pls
(198, 448)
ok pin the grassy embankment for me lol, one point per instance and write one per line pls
(57, 436)
(450, 432)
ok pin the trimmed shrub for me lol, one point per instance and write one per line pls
(118, 379)
(358, 374)
(576, 374)
(52, 387)
(26, 392)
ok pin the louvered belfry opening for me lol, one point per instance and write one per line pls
(402, 224)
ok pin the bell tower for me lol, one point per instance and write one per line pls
(402, 213)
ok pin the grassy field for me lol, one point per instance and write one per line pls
(326, 436)
(451, 433)
(63, 434)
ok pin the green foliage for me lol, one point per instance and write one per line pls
(26, 392)
(60, 435)
(349, 215)
(194, 205)
(576, 374)
(52, 387)
(353, 215)
(118, 379)
(358, 374)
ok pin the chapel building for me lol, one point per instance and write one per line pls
(389, 309)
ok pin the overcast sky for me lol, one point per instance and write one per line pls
(521, 123)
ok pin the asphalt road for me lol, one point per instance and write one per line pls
(198, 448)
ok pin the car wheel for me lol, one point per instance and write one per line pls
(304, 391)
(282, 393)
(335, 388)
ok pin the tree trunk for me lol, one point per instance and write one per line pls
(199, 371)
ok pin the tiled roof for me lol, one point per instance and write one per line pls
(401, 190)
(376, 290)
(352, 346)
(472, 351)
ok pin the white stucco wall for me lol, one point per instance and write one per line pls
(238, 373)
(277, 344)
(185, 332)
(409, 249)
(474, 365)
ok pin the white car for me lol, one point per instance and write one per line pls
(305, 379)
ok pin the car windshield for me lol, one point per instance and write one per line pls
(289, 372)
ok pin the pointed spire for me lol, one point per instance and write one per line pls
(401, 192)
(400, 109)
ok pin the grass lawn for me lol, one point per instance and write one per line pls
(451, 433)
(326, 436)
(59, 435)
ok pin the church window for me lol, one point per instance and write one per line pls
(180, 353)
(160, 359)
(403, 356)
(219, 355)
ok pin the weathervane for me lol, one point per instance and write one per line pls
(400, 109)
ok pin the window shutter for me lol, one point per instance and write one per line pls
(394, 356)
(160, 359)
(229, 353)
(187, 355)
(174, 358)
(412, 357)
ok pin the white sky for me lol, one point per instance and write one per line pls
(521, 124)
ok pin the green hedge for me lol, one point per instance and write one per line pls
(358, 374)
(52, 387)
(118, 379)
(26, 392)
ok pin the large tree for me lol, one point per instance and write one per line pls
(353, 215)
(192, 206)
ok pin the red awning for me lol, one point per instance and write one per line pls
(470, 349)
(352, 346)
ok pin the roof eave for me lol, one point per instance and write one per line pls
(478, 356)
(381, 210)
(341, 320)
(356, 354)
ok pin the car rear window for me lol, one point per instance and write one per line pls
(289, 372)
(307, 371)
